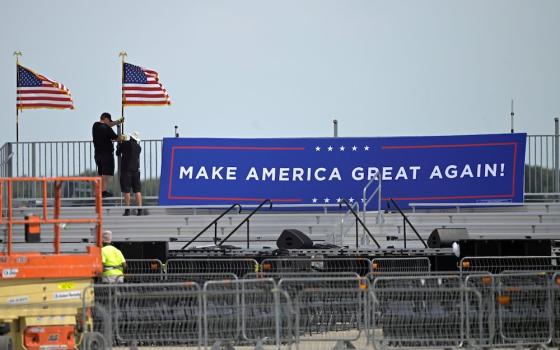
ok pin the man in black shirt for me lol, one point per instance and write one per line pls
(129, 150)
(103, 137)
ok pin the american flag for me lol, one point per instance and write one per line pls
(37, 91)
(141, 87)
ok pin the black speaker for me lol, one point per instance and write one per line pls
(444, 237)
(294, 239)
(144, 250)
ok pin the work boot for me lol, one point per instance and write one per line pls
(126, 212)
(139, 212)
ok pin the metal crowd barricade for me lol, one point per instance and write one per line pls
(517, 308)
(422, 312)
(412, 265)
(162, 314)
(555, 290)
(199, 278)
(330, 312)
(277, 276)
(361, 266)
(237, 266)
(524, 309)
(331, 318)
(143, 266)
(484, 284)
(498, 264)
(241, 312)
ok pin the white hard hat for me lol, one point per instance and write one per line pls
(135, 135)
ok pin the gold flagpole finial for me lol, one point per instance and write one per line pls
(18, 54)
(123, 54)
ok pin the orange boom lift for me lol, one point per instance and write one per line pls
(45, 298)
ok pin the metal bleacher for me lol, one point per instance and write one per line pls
(180, 224)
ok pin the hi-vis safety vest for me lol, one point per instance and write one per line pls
(112, 259)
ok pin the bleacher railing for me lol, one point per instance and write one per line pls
(76, 158)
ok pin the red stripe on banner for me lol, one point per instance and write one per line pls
(242, 148)
(514, 165)
(448, 197)
(241, 199)
(451, 145)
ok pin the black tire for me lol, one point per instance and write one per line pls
(93, 341)
(6, 343)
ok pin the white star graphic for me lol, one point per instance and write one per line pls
(327, 200)
(314, 200)
(354, 148)
(330, 148)
(366, 148)
(317, 149)
(338, 200)
(351, 200)
(342, 148)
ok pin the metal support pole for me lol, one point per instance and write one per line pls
(176, 131)
(512, 114)
(248, 229)
(557, 154)
(33, 170)
(10, 157)
(120, 130)
(335, 127)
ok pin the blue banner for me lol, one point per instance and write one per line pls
(465, 169)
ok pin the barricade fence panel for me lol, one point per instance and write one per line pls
(498, 264)
(360, 266)
(277, 276)
(517, 309)
(143, 266)
(199, 278)
(556, 306)
(160, 314)
(328, 318)
(413, 265)
(239, 267)
(419, 317)
(242, 312)
(524, 309)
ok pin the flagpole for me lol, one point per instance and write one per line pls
(122, 55)
(17, 54)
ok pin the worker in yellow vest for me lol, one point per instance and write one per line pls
(113, 261)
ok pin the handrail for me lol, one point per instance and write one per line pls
(358, 220)
(342, 229)
(405, 220)
(246, 220)
(365, 200)
(215, 223)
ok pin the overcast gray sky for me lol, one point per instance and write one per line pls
(254, 68)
